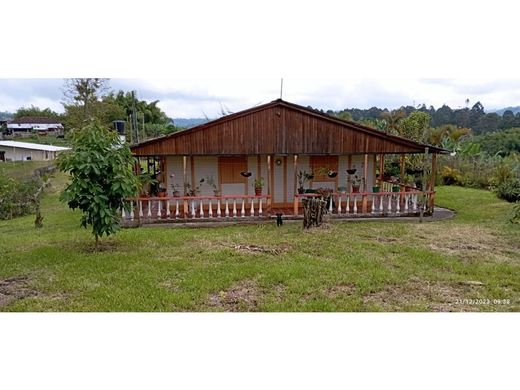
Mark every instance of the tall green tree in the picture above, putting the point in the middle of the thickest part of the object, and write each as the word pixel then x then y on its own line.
pixel 415 126
pixel 36 111
pixel 83 102
pixel 101 178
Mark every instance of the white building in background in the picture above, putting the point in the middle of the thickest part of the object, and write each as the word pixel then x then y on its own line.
pixel 25 151
pixel 25 126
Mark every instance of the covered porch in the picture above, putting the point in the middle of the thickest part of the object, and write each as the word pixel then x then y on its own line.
pixel 266 160
pixel 225 189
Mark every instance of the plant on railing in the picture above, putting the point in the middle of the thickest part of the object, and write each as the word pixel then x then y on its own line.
pixel 146 181
pixel 356 183
pixel 192 191
pixel 258 185
pixel 161 190
pixel 303 177
pixel 175 189
pixel 210 180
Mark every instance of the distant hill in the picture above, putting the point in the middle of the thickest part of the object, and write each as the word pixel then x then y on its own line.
pixel 188 122
pixel 502 110
pixel 4 115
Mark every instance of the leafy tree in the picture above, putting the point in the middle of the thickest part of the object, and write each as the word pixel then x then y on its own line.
pixel 84 92
pixel 502 143
pixel 36 111
pixel 101 178
pixel 83 102
pixel 415 126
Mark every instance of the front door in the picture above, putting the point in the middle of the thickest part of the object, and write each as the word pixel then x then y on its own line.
pixel 279 180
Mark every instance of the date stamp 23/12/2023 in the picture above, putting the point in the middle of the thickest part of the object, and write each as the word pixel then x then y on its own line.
pixel 482 301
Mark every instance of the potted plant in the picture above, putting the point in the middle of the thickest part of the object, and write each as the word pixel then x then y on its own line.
pixel 258 184
pixel 356 183
pixel 211 182
pixel 342 190
pixel 302 177
pixel 351 171
pixel 375 188
pixel 161 190
pixel 145 182
pixel 175 189
pixel 332 174
pixel 192 191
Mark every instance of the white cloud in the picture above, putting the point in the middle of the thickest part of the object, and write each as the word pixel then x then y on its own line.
pixel 198 97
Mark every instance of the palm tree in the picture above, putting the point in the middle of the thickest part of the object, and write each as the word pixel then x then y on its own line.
pixel 392 119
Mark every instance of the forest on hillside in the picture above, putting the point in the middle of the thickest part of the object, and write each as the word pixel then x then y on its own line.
pixel 475 117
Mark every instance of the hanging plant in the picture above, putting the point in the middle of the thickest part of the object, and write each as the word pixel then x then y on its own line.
pixel 245 173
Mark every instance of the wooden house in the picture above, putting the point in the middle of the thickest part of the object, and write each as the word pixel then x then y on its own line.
pixel 209 172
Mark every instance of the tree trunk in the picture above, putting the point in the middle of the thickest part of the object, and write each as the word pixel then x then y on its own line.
pixel 313 210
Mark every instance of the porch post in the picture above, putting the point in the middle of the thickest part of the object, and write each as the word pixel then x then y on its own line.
pixel 295 191
pixel 432 181
pixel 364 203
pixel 184 167
pixel 424 186
pixel 381 168
pixel 402 171
pixel 269 183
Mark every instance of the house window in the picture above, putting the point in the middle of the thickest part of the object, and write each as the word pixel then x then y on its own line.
pixel 230 168
pixel 321 165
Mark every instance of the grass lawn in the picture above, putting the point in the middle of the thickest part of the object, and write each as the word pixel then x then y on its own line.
pixel 22 169
pixel 462 264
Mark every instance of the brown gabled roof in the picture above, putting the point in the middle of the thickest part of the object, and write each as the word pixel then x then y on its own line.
pixel 236 128
pixel 34 119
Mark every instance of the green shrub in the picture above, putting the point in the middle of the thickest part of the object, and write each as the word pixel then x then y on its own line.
pixel 509 190
pixel 515 218
pixel 451 176
pixel 17 198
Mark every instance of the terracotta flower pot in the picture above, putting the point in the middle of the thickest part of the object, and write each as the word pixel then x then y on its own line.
pixel 258 191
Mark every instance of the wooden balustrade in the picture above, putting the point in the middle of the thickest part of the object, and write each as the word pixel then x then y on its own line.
pixel 199 207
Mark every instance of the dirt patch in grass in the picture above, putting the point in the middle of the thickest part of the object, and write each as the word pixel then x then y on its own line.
pixel 12 289
pixel 339 290
pixel 241 296
pixel 257 249
pixel 434 296
pixel 467 241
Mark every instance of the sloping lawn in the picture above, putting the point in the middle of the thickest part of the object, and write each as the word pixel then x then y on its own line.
pixel 468 263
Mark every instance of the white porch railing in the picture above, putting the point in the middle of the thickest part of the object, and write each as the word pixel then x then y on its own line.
pixel 197 208
pixel 374 203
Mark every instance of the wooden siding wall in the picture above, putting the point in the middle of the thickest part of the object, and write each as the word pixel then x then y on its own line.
pixel 277 130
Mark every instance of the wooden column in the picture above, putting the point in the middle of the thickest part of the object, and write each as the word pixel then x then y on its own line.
pixel 184 181
pixel 381 168
pixel 401 174
pixel 295 179
pixel 269 180
pixel 432 180
pixel 364 203
pixel 285 167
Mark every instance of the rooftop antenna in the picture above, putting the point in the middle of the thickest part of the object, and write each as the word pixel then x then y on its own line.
pixel 281 88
